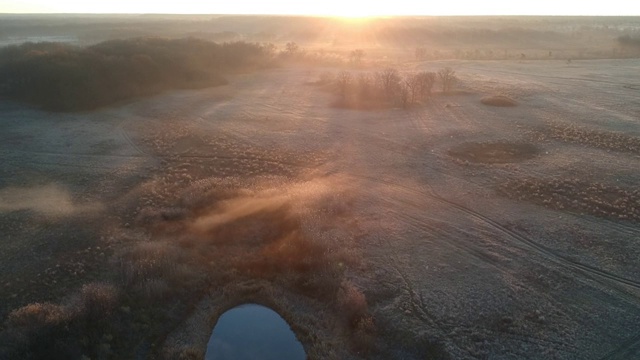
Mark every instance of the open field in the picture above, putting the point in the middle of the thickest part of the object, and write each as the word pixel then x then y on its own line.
pixel 446 230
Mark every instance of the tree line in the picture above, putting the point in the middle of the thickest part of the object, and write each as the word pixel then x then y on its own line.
pixel 387 87
pixel 62 77
pixel 628 41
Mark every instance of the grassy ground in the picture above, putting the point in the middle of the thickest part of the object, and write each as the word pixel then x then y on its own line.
pixel 449 229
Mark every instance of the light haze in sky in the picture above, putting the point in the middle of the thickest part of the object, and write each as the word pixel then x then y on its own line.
pixel 330 7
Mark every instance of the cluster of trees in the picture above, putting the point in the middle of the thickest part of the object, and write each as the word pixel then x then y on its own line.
pixel 62 77
pixel 387 87
pixel 628 41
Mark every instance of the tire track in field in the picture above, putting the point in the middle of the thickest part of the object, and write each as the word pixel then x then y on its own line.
pixel 562 260
pixel 419 123
pixel 417 302
pixel 70 154
pixel 65 160
pixel 628 349
pixel 535 75
pixel 125 136
pixel 422 225
pixel 248 158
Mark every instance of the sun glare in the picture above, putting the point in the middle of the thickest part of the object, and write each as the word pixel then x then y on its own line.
pixel 352 11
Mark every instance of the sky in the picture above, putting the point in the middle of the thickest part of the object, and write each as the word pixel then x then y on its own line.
pixel 331 7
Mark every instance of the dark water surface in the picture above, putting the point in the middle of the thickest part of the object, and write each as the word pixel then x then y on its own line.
pixel 253 331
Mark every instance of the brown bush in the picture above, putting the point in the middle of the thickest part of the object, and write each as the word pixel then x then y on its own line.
pixel 38 314
pixel 94 302
pixel 67 331
pixel 499 101
pixel 577 195
pixel 447 78
pixel 609 140
pixel 352 303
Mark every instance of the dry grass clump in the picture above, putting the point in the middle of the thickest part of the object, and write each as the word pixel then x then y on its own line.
pixel 147 260
pixel 608 140
pixel 579 196
pixel 355 310
pixel 94 301
pixel 45 314
pixel 288 236
pixel 294 237
pixel 70 330
pixel 494 152
pixel 352 302
pixel 499 101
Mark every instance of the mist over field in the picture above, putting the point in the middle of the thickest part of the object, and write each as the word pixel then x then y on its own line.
pixel 393 187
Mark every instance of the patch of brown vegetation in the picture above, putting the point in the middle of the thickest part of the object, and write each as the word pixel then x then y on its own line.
pixel 77 327
pixel 494 152
pixel 575 195
pixel 499 101
pixel 608 140
pixel 293 237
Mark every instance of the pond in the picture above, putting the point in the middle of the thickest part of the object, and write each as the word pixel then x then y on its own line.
pixel 253 331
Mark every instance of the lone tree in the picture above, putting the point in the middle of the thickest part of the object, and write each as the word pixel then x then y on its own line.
pixel 291 47
pixel 412 85
pixel 365 86
pixel 447 78
pixel 343 81
pixel 418 86
pixel 356 56
pixel 425 82
pixel 389 81
pixel 405 94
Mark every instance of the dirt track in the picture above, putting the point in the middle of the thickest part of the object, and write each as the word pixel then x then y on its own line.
pixel 448 258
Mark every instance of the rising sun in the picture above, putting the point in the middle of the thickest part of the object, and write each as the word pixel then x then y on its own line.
pixel 351 10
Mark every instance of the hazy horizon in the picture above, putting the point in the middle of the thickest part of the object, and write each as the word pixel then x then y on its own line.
pixel 329 8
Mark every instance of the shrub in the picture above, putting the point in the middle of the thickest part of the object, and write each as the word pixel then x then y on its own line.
pixel 67 331
pixel 499 100
pixel 382 89
pixel 38 314
pixel 94 302
pixel 39 331
pixel 447 78
pixel 356 56
pixel 352 303
pixel 389 81
pixel 343 82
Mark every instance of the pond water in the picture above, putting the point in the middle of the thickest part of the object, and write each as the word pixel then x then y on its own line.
pixel 253 331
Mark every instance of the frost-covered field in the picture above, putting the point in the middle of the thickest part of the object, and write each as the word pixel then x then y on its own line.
pixel 471 230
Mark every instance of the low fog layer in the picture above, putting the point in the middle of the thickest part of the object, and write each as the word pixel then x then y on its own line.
pixel 50 200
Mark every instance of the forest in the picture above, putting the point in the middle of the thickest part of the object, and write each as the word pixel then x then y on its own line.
pixel 63 77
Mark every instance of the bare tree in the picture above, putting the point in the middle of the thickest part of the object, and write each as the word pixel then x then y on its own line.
pixel 426 80
pixel 343 81
pixel 291 48
pixel 404 94
pixel 389 81
pixel 421 53
pixel 365 86
pixel 419 85
pixel 356 56
pixel 412 85
pixel 447 78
